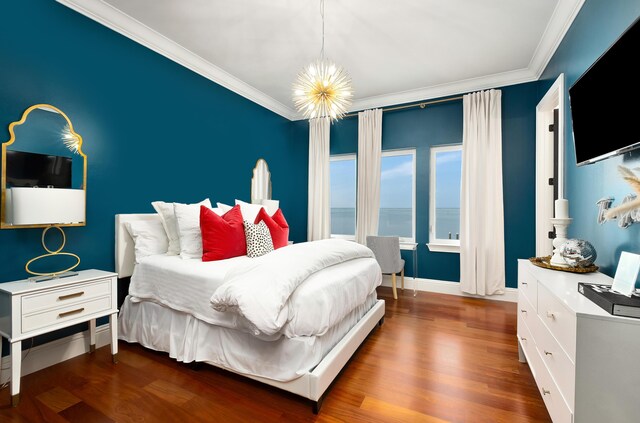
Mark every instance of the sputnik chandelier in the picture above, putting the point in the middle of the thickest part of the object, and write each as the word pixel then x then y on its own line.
pixel 322 89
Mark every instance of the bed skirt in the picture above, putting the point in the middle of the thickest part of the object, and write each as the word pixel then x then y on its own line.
pixel 189 339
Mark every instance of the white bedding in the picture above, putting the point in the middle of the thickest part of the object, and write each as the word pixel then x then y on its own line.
pixel 188 339
pixel 262 290
pixel 320 301
pixel 184 285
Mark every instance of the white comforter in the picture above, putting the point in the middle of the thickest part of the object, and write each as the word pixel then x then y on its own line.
pixel 318 303
pixel 287 285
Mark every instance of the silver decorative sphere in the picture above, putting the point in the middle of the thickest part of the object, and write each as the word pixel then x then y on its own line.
pixel 578 253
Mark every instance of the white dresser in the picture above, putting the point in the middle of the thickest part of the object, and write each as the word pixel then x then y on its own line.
pixel 585 361
pixel 28 309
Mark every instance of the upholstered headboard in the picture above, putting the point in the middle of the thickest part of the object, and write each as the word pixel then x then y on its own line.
pixel 125 258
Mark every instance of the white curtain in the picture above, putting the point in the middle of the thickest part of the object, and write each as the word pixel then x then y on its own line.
pixel 482 268
pixel 319 219
pixel 369 156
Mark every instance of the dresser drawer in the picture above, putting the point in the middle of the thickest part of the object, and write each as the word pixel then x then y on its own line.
pixel 528 286
pixel 560 321
pixel 527 342
pixel 526 312
pixel 71 312
pixel 556 406
pixel 55 298
pixel 561 368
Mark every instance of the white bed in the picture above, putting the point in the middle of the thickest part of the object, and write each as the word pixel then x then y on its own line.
pixel 159 314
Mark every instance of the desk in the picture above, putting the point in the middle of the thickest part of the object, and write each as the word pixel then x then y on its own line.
pixel 413 246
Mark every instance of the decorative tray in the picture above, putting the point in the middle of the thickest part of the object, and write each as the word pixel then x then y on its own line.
pixel 545 262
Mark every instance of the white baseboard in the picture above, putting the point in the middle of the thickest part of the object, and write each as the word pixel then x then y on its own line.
pixel 55 352
pixel 446 287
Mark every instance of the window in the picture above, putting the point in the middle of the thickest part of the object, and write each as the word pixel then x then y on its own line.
pixel 342 170
pixel 444 201
pixel 398 194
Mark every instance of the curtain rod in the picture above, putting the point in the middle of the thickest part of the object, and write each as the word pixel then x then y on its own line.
pixel 422 105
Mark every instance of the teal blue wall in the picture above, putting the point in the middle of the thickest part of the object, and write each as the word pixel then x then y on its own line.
pixel 442 124
pixel 155 130
pixel 152 129
pixel 597 26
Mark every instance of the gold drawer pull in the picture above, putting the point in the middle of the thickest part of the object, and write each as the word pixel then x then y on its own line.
pixel 547 352
pixel 69 313
pixel 550 315
pixel 68 297
pixel 522 310
pixel 545 392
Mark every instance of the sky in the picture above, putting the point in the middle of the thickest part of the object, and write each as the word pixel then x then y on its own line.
pixel 396 176
pixel 396 181
pixel 448 173
pixel 343 184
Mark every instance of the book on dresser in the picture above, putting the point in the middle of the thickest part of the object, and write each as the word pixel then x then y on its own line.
pixel 611 302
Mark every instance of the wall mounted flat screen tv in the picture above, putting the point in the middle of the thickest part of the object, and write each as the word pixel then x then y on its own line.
pixel 605 107
pixel 41 170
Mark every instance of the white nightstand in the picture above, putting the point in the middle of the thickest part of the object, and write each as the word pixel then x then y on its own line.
pixel 28 309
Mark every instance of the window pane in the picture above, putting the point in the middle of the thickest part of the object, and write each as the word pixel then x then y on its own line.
pixel 343 197
pixel 396 196
pixel 448 173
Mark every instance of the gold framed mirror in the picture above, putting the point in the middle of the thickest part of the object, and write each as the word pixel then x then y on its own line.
pixel 261 182
pixel 44 172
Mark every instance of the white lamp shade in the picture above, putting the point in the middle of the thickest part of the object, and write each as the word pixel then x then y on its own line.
pixel 50 206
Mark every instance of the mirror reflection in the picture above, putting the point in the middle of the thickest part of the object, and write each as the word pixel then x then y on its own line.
pixel 261 182
pixel 43 153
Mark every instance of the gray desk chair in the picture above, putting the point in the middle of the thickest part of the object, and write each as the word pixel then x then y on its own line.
pixel 387 252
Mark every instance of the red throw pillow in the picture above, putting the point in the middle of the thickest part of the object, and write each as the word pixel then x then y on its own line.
pixel 278 227
pixel 222 236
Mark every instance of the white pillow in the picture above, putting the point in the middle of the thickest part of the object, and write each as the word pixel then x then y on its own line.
pixel 249 211
pixel 271 206
pixel 224 207
pixel 167 214
pixel 149 238
pixel 188 222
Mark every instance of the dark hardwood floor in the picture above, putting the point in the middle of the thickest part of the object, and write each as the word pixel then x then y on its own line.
pixel 436 358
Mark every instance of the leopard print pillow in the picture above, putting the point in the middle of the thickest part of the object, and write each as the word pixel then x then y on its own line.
pixel 259 240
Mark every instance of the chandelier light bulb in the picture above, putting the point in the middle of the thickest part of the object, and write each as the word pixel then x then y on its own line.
pixel 70 140
pixel 322 89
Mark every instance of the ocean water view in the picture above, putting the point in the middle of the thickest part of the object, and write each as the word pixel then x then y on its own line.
pixel 395 222
pixel 447 223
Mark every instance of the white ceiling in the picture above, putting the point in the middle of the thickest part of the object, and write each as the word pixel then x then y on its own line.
pixel 396 51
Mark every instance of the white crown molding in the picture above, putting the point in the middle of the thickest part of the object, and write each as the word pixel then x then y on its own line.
pixel 444 90
pixel 557 27
pixel 105 14
pixel 135 30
